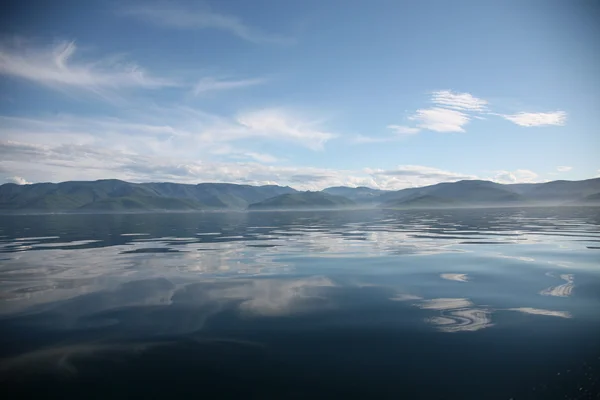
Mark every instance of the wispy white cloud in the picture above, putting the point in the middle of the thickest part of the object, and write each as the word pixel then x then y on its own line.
pixel 403 130
pixel 516 176
pixel 414 176
pixel 564 168
pixel 272 124
pixel 97 160
pixel 238 153
pixel 89 162
pixel 177 131
pixel 170 15
pixel 261 157
pixel 214 84
pixel 440 119
pixel 278 123
pixel 179 144
pixel 55 66
pixel 450 113
pixel 399 133
pixel 528 119
pixel 17 179
pixel 458 101
pixel 362 139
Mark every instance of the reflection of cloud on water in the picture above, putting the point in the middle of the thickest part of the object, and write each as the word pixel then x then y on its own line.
pixel 75 243
pixel 519 258
pixel 402 242
pixel 444 304
pixel 469 319
pixel 41 243
pixel 538 311
pixel 455 277
pixel 460 314
pixel 456 315
pixel 29 279
pixel 36 238
pixel 263 296
pixel 563 290
pixel 160 305
pixel 278 297
pixel 405 297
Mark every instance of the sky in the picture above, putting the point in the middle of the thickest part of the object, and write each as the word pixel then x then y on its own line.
pixel 387 94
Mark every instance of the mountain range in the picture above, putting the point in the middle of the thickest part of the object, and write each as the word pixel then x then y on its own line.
pixel 291 201
pixel 116 195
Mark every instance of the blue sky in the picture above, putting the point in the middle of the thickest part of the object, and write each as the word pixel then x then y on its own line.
pixel 387 94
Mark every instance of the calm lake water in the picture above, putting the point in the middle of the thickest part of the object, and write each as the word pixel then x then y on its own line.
pixel 452 304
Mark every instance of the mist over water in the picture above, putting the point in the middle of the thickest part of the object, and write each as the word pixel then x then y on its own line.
pixel 469 304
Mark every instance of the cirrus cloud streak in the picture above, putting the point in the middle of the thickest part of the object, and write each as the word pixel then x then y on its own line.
pixel 529 119
pixel 56 66
pixel 452 111
pixel 170 15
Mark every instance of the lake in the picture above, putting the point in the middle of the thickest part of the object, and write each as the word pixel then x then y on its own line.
pixel 452 304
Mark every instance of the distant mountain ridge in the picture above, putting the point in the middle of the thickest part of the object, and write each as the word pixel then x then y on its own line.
pixel 462 192
pixel 358 194
pixel 115 195
pixel 303 200
pixel 485 193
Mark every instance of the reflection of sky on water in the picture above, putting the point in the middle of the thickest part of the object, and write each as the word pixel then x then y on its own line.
pixel 405 297
pixel 385 298
pixel 70 256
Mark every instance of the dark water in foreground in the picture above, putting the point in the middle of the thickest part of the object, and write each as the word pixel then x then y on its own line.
pixel 481 304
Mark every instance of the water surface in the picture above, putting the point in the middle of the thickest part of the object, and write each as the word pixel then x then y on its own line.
pixel 452 304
